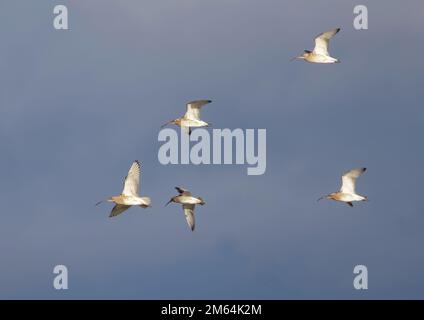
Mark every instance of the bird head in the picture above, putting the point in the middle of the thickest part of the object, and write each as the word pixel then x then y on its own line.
pixel 202 202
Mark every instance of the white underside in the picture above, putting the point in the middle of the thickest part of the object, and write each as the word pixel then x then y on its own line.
pixel 187 200
pixel 136 201
pixel 193 123
pixel 323 59
pixel 350 197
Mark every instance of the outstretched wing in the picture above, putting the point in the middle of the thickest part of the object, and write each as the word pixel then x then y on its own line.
pixel 322 42
pixel 349 180
pixel 189 214
pixel 118 209
pixel 183 192
pixel 132 180
pixel 193 109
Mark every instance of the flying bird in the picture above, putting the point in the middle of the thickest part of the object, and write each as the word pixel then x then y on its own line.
pixel 191 118
pixel 320 53
pixel 347 192
pixel 189 202
pixel 130 195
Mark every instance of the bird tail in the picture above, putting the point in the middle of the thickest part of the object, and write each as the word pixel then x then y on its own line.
pixel 147 202
pixel 202 202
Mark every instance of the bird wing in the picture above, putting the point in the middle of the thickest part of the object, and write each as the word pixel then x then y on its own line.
pixel 118 209
pixel 349 180
pixel 322 42
pixel 193 109
pixel 189 214
pixel 132 180
pixel 183 192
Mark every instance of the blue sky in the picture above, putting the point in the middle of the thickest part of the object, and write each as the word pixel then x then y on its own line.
pixel 78 106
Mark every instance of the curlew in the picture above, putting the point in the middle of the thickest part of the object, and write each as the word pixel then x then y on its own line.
pixel 347 192
pixel 189 202
pixel 191 118
pixel 320 53
pixel 130 195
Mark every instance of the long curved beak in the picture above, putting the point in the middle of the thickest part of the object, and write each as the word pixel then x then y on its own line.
pixel 168 202
pixel 295 58
pixel 164 125
pixel 323 197
pixel 107 200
